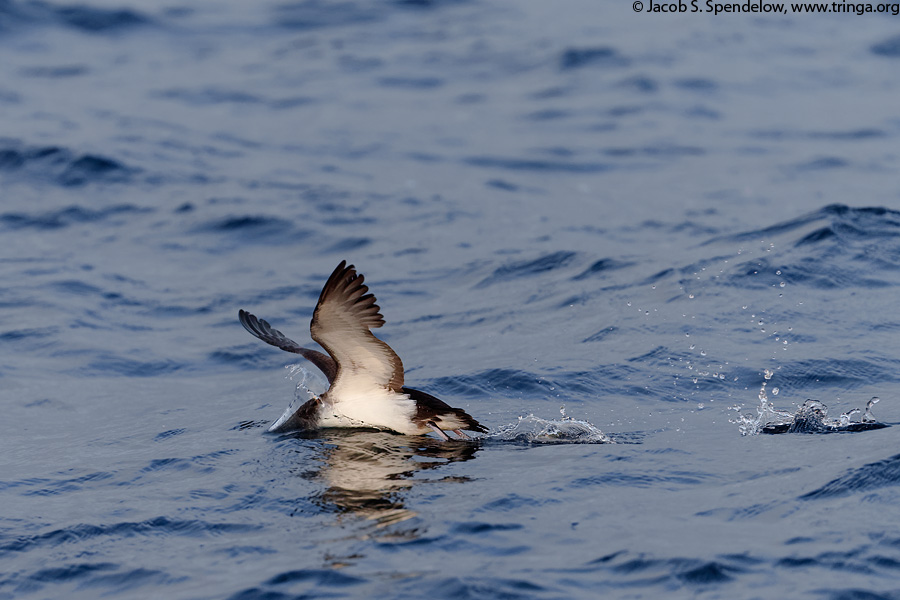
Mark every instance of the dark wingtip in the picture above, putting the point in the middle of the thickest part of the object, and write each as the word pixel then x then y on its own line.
pixel 350 285
pixel 339 273
pixel 245 318
pixel 257 327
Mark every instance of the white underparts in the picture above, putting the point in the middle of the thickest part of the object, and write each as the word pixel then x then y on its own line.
pixel 355 402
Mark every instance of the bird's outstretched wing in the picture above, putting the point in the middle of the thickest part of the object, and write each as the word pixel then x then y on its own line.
pixel 341 324
pixel 261 329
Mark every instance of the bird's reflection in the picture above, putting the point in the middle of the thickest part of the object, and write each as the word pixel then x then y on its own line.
pixel 367 473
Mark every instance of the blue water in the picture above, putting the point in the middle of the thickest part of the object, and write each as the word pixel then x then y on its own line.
pixel 577 219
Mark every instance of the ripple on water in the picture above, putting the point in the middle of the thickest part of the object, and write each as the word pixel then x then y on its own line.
pixel 65 217
pixel 107 363
pixel 603 266
pixel 159 526
pixel 889 48
pixel 209 96
pixel 255 229
pixel 106 576
pixel 478 527
pixel 598 56
pixel 884 473
pixel 93 19
pixel 480 384
pixel 290 583
pixel 535 165
pixel 834 247
pixel 60 165
pixel 527 268
pixel 624 569
pixel 83 18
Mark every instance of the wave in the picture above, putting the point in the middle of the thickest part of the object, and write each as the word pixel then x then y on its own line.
pixel 84 18
pixel 60 165
pixel 884 473
pixel 163 526
pixel 66 217
pixel 836 246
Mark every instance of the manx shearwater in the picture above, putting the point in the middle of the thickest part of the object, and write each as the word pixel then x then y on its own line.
pixel 364 373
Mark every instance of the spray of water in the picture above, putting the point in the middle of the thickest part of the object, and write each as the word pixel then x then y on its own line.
pixel 812 417
pixel 307 382
pixel 530 429
pixel 766 413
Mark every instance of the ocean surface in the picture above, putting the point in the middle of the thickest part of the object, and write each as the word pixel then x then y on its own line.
pixel 657 255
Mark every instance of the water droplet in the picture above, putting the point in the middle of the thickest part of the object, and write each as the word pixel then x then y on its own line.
pixel 782 284
pixel 778 272
pixel 775 391
pixel 768 373
pixel 703 353
pixel 628 303
pixel 845 418
pixel 691 296
pixel 868 416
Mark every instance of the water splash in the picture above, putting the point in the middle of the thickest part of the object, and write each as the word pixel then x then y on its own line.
pixel 304 390
pixel 809 419
pixel 812 417
pixel 535 430
pixel 310 384
pixel 868 418
pixel 766 413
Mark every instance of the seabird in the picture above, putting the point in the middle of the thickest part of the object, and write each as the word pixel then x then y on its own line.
pixel 364 373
